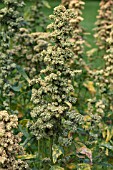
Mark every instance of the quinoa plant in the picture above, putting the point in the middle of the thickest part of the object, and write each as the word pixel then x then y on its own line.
pixel 104 23
pixel 37 20
pixel 26 54
pixel 78 39
pixel 10 22
pixel 9 144
pixel 101 104
pixel 77 6
pixel 55 114
pixel 27 50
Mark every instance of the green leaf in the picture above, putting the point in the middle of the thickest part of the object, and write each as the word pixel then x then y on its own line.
pixel 83 166
pixel 107 145
pixel 24 122
pixel 56 168
pixel 46 4
pixel 16 88
pixel 57 151
pixel 23 73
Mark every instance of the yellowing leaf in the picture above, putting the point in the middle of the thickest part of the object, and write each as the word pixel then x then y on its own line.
pixel 83 166
pixel 87 118
pixel 90 86
pixel 91 52
pixel 57 151
pixel 107 152
pixel 56 168
pixel 104 134
pixel 71 166
pixel 69 104
pixel 108 135
pixel 24 122
pixel 30 156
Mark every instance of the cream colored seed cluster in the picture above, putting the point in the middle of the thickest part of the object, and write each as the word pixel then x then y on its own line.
pixel 77 39
pixel 105 75
pixel 37 16
pixel 104 81
pixel 27 50
pixel 53 92
pixel 9 143
pixel 8 29
pixel 104 23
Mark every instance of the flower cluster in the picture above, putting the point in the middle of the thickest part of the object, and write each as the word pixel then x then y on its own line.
pixel 102 103
pixel 27 50
pixel 104 23
pixel 77 39
pixel 9 143
pixel 53 92
pixel 104 76
pixel 10 20
pixel 37 19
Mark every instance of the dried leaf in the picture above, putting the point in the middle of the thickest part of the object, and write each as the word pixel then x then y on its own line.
pixel 85 151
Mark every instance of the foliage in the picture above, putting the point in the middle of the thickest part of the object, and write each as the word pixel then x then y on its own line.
pixel 9 143
pixel 64 107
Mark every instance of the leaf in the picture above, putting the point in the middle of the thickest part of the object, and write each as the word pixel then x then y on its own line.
pixel 46 4
pixel 56 168
pixel 90 86
pixel 71 166
pixel 87 118
pixel 24 122
pixel 23 130
pixel 16 88
pixel 107 145
pixel 57 151
pixel 108 135
pixel 83 166
pixel 30 156
pixel 23 73
pixel 107 152
pixel 104 134
pixel 85 151
pixel 69 104
pixel 91 52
